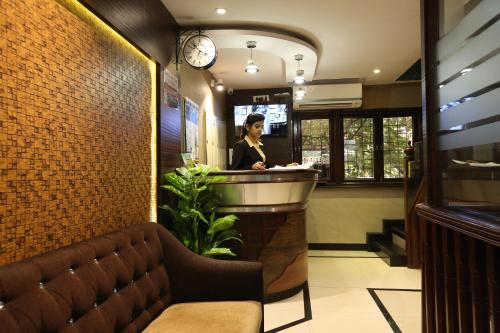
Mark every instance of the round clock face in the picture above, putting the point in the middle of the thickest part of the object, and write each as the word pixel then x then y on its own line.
pixel 200 52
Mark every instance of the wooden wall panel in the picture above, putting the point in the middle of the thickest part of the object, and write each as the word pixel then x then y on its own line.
pixel 75 129
pixel 147 23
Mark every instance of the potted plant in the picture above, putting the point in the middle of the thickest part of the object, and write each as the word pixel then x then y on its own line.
pixel 193 217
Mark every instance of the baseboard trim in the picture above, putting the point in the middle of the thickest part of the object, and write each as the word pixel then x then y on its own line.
pixel 337 246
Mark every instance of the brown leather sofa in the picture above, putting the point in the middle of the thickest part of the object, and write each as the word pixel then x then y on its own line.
pixel 140 278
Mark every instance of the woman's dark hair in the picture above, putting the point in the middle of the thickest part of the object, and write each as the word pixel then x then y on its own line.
pixel 252 118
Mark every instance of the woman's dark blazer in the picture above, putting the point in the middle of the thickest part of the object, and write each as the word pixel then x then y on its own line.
pixel 245 156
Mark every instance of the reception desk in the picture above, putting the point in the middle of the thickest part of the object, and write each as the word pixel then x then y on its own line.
pixel 271 208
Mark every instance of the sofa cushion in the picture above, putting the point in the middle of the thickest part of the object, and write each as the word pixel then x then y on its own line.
pixel 209 317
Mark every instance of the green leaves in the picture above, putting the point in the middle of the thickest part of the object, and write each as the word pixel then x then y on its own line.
pixel 218 251
pixel 175 191
pixel 222 223
pixel 193 217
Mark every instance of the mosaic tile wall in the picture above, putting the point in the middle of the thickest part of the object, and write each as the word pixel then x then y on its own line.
pixel 74 129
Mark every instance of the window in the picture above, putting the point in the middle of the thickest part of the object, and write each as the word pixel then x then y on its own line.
pixel 397 132
pixel 362 146
pixel 358 148
pixel 316 144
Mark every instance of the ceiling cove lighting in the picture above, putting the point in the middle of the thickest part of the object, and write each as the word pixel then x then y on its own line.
pixel 220 11
pixel 376 71
pixel 299 79
pixel 251 67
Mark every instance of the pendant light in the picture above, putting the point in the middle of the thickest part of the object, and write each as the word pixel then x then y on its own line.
pixel 299 79
pixel 251 67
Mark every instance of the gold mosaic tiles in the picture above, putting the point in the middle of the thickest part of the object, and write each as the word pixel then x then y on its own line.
pixel 75 130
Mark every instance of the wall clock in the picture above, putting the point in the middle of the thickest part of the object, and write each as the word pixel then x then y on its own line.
pixel 200 51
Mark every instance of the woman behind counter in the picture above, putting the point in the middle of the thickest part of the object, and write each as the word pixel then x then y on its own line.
pixel 248 153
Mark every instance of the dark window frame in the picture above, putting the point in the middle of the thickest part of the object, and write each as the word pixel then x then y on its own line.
pixel 336 118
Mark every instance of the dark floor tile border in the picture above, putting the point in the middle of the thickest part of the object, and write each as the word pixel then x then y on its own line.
pixel 307 311
pixel 383 309
pixel 337 246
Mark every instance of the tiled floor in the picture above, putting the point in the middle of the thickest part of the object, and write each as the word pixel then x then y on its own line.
pixel 340 299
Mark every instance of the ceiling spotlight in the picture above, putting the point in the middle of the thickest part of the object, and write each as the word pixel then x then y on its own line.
pixel 219 85
pixel 220 11
pixel 441 86
pixel 299 79
pixel 251 67
pixel 376 71
pixel 465 70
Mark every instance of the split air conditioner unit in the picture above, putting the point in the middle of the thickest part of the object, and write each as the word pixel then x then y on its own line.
pixel 329 96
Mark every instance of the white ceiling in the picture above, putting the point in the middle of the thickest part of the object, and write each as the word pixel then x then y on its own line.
pixel 350 37
pixel 274 55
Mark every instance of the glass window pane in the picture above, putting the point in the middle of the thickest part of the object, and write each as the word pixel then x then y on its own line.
pixel 316 144
pixel 397 132
pixel 358 148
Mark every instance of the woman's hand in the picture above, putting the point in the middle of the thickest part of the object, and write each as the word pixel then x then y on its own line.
pixel 292 164
pixel 258 166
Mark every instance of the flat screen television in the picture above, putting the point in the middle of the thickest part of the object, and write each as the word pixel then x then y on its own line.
pixel 275 124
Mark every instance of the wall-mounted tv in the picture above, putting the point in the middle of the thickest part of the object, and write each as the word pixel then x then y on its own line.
pixel 275 124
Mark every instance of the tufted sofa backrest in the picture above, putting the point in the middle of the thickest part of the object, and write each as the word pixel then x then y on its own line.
pixel 113 283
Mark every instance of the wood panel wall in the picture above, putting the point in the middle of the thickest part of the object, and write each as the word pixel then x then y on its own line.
pixel 150 26
pixel 75 129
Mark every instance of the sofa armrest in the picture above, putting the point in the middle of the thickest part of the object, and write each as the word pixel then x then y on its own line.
pixel 197 278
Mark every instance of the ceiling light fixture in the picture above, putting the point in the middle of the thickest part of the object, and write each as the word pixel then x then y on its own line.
pixel 219 85
pixel 251 67
pixel 300 93
pixel 465 70
pixel 220 11
pixel 376 71
pixel 299 79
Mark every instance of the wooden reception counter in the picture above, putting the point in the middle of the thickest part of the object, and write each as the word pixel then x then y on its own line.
pixel 271 208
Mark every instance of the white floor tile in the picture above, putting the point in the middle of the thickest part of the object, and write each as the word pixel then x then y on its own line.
pixel 340 301
pixel 360 273
pixel 334 322
pixel 277 318
pixel 329 253
pixel 284 311
pixel 404 308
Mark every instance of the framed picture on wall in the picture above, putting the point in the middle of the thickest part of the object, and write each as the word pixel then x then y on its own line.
pixel 192 142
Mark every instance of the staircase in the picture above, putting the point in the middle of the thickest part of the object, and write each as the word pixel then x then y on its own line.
pixel 390 244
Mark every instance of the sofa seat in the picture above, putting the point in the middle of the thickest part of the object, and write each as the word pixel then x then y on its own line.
pixel 209 317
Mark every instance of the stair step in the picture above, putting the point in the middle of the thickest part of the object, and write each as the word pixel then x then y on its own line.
pixel 399 241
pixel 388 224
pixel 400 231
pixel 391 253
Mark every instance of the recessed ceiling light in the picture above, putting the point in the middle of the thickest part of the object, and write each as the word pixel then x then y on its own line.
pixel 220 11
pixel 465 70
pixel 376 71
